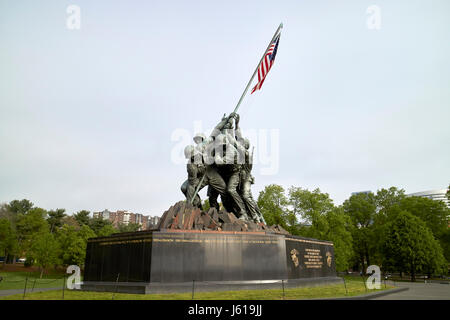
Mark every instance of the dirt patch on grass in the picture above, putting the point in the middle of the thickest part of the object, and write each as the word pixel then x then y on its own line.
pixel 19 267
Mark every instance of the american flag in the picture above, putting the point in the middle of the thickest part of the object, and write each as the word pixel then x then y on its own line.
pixel 267 63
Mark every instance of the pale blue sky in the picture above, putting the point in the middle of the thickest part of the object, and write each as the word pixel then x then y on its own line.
pixel 86 116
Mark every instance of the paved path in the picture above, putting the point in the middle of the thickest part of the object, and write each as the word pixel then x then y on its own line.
pixel 419 291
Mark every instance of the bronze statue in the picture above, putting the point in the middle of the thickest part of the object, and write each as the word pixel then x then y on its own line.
pixel 195 172
pixel 246 178
pixel 223 163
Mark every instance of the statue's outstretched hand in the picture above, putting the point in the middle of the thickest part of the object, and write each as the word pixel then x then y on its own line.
pixel 236 119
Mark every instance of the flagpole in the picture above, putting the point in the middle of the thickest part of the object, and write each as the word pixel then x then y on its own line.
pixel 242 97
pixel 257 67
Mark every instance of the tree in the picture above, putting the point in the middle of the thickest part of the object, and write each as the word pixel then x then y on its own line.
pixel 73 244
pixel 14 209
pixel 410 246
pixel 70 220
pixel 86 233
pixel 339 233
pixel 67 239
pixel 445 241
pixel 436 262
pixel 327 222
pixel 4 211
pixel 387 206
pixel 8 239
pixel 387 198
pixel 445 244
pixel 130 227
pixel 13 212
pixel 273 205
pixel 310 205
pixel 206 205
pixel 361 208
pixel 97 223
pixel 82 217
pixel 106 230
pixel 55 218
pixel 45 250
pixel 28 226
pixel 20 206
pixel 434 213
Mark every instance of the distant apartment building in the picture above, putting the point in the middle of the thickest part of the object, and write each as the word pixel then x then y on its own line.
pixel 438 195
pixel 127 217
pixel 153 222
pixel 363 192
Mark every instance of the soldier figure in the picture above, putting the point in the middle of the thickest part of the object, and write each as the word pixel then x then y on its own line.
pixel 222 162
pixel 229 168
pixel 246 182
pixel 246 179
pixel 195 172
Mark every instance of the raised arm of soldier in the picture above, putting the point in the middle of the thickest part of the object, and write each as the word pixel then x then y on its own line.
pixel 208 144
pixel 239 141
pixel 237 130
pixel 225 123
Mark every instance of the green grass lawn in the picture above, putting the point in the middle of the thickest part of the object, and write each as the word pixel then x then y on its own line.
pixel 353 287
pixel 17 280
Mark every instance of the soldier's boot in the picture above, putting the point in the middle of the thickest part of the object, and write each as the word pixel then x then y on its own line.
pixel 254 218
pixel 243 216
pixel 262 220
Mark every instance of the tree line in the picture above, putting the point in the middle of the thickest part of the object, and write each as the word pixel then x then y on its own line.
pixel 49 237
pixel 387 228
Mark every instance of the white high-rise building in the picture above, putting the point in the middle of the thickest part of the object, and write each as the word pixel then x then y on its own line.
pixel 439 194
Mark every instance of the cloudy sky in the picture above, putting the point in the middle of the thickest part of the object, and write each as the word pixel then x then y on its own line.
pixel 92 118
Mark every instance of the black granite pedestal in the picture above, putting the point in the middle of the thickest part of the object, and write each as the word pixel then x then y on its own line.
pixel 176 260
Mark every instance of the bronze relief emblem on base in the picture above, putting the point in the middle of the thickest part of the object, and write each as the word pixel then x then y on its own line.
pixel 294 253
pixel 329 259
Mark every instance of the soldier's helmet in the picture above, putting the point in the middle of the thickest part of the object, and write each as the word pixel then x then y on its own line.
pixel 246 143
pixel 189 151
pixel 199 138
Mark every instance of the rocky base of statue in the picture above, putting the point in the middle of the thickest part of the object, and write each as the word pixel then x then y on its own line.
pixel 183 216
